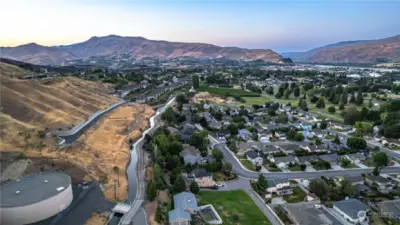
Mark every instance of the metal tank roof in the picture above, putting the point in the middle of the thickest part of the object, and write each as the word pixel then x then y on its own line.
pixel 33 189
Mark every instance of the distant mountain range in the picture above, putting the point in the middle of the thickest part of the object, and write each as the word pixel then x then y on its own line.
pixel 362 51
pixel 115 47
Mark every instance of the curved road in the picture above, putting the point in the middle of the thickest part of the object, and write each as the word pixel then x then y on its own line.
pixel 70 136
pixel 243 172
pixel 136 174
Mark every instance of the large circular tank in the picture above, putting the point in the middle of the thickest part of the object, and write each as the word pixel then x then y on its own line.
pixel 34 198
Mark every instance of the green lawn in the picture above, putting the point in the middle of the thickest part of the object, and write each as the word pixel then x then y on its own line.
pixel 368 163
pixel 297 196
pixel 282 215
pixel 351 165
pixel 234 202
pixel 229 91
pixel 255 101
pixel 295 168
pixel 246 163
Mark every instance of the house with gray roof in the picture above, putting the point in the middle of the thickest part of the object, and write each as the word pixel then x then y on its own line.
pixel 307 159
pixel 310 213
pixel 186 201
pixel 355 158
pixel 333 158
pixel 383 185
pixel 390 209
pixel 283 161
pixel 191 155
pixel 357 179
pixel 352 210
pixel 179 217
pixel 185 204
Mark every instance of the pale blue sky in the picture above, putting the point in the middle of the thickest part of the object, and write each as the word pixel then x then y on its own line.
pixel 279 25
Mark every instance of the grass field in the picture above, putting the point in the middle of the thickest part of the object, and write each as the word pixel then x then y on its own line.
pixel 246 163
pixel 295 168
pixel 255 101
pixel 234 202
pixel 297 196
pixel 229 92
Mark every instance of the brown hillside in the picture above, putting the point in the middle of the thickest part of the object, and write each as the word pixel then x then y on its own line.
pixel 52 104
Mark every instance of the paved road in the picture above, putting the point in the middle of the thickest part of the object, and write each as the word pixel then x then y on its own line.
pixel 70 136
pixel 136 172
pixel 243 172
pixel 391 153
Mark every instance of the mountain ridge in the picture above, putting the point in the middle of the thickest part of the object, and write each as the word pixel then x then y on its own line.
pixel 132 47
pixel 357 51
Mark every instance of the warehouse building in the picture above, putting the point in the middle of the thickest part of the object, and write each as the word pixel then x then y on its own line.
pixel 35 198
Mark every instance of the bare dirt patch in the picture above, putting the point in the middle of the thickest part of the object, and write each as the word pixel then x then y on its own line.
pixel 151 209
pixel 205 96
pixel 96 219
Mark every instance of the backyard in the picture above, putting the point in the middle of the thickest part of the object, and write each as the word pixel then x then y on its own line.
pixel 234 207
pixel 297 196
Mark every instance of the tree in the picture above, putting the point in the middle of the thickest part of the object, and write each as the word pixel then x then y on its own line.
pixel 179 184
pixel 299 137
pixel 323 125
pixel 194 188
pixel 296 92
pixel 331 109
pixel 227 168
pixel 195 81
pixel 341 107
pixel 364 113
pixel 345 163
pixel 380 160
pixel 233 129
pixel 347 189
pixel 320 188
pixel 318 141
pixel 181 99
pixel 169 115
pixel 352 99
pixel 217 154
pixel 321 103
pixel 336 140
pixel 151 191
pixel 261 184
pixel 291 134
pixel 303 105
pixel 356 143
pixel 175 147
pixel 303 167
pixel 360 98
pixel 351 115
pixel 363 128
pixel 116 171
pixel 344 98
pixel 370 103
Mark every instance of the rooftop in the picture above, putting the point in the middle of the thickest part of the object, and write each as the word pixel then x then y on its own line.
pixel 307 214
pixel 177 214
pixel 185 200
pixel 351 207
pixel 32 189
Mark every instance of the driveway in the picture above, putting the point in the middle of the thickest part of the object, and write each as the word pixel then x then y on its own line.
pixel 337 167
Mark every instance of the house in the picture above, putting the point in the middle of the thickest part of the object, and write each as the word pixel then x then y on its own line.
pixel 284 161
pixel 245 134
pixel 191 155
pixel 289 147
pixel 172 130
pixel 339 126
pixel 188 107
pixel 362 188
pixel 280 186
pixel 306 126
pixel 254 157
pixel 382 184
pixel 354 158
pixel 317 148
pixel 185 204
pixel 202 177
pixel 357 179
pixel 211 121
pixel 390 209
pixel 310 213
pixel 186 201
pixel 179 217
pixel 209 159
pixel 306 160
pixel 333 158
pixel 187 132
pixel 391 142
pixel 352 210
pixel 281 135
pixel 268 148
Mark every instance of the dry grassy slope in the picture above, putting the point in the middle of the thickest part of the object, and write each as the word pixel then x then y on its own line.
pixel 59 103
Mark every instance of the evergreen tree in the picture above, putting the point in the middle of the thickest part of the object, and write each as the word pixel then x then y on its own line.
pixel 179 184
pixel 151 191
pixel 194 188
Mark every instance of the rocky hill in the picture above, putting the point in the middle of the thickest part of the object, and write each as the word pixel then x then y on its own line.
pixel 364 51
pixel 113 47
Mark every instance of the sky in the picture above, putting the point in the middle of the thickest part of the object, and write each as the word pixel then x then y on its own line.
pixel 279 25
